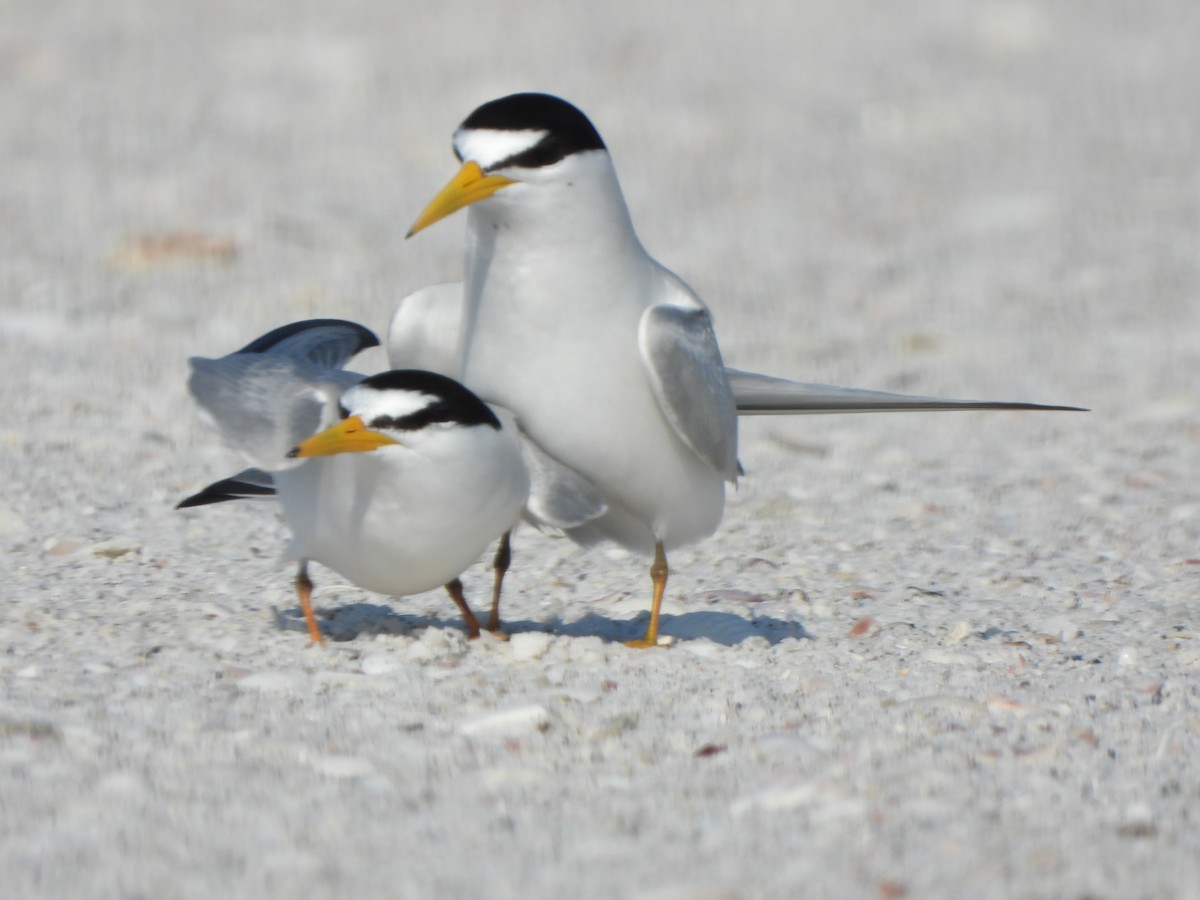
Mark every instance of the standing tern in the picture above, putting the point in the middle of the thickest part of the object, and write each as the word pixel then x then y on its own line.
pixel 608 359
pixel 397 481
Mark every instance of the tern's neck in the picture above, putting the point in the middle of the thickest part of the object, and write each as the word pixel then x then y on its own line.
pixel 574 226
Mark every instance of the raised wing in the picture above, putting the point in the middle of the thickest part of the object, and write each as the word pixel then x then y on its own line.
pixel 279 389
pixel 764 395
pixel 264 405
pixel 322 342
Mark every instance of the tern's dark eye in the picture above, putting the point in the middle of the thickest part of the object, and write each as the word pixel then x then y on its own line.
pixel 343 413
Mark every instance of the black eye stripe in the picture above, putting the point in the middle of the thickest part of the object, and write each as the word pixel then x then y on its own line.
pixel 545 152
pixel 431 415
pixel 448 402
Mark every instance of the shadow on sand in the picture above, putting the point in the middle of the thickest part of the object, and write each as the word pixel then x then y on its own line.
pixel 353 620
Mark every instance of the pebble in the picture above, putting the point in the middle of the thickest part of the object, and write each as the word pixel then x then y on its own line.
pixel 443 640
pixel 420 652
pixel 780 796
pixel 959 632
pixel 512 720
pixel 702 647
pixel 115 548
pixel 343 766
pixel 614 726
pixel 823 802
pixel 586 649
pixel 378 664
pixel 62 546
pixel 940 657
pixel 11 524
pixel 350 681
pixel 1137 817
pixel 529 645
pixel 437 643
pixel 275 682
pixel 500 777
pixel 1061 627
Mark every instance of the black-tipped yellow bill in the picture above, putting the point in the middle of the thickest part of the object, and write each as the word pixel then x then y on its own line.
pixel 348 436
pixel 469 186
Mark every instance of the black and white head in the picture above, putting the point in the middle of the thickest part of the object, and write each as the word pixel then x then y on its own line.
pixel 512 146
pixel 399 407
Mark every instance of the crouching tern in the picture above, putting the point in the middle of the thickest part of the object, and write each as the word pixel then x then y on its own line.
pixel 608 359
pixel 396 481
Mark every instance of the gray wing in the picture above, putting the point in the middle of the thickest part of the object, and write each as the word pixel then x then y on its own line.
pixel 559 497
pixel 322 342
pixel 763 395
pixel 279 389
pixel 680 353
pixel 265 404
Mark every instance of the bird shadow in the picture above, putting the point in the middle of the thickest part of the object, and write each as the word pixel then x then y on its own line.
pixel 723 628
pixel 350 621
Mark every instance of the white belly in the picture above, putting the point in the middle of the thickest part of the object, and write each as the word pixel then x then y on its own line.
pixel 585 397
pixel 397 523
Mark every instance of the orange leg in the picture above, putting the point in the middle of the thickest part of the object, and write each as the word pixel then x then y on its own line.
pixel 304 589
pixel 455 590
pixel 658 575
pixel 499 566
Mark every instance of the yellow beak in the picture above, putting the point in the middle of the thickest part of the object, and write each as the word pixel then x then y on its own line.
pixel 469 186
pixel 348 436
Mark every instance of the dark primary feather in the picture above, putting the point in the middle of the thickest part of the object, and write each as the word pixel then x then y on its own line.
pixel 323 342
pixel 249 484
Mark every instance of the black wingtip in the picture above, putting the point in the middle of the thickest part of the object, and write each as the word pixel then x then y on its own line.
pixel 366 338
pixel 225 490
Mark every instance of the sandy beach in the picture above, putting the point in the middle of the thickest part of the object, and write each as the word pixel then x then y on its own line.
pixel 926 655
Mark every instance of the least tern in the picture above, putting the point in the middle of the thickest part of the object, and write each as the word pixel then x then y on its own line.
pixel 608 359
pixel 397 481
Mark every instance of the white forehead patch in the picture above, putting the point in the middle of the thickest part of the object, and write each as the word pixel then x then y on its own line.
pixel 370 403
pixel 488 147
